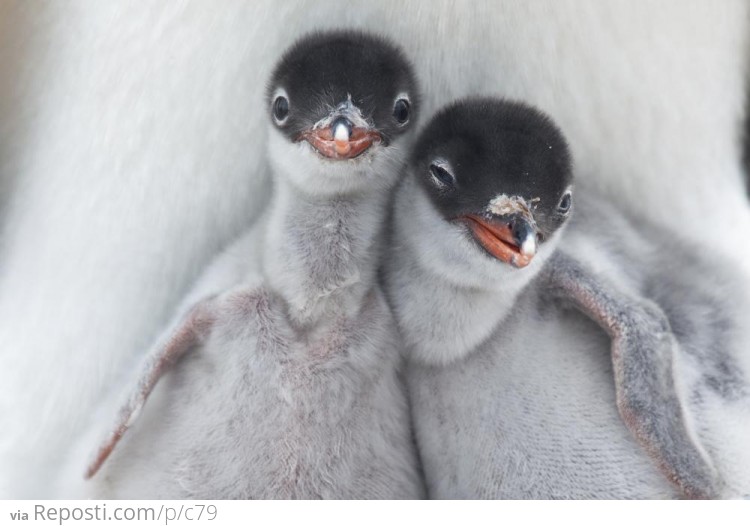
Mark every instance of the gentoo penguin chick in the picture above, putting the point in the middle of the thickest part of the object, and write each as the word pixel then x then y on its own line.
pixel 473 277
pixel 291 387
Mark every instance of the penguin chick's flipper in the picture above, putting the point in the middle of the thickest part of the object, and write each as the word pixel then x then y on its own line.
pixel 643 349
pixel 189 332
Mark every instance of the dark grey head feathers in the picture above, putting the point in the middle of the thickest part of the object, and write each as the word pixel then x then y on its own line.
pixel 501 167
pixel 477 149
pixel 323 71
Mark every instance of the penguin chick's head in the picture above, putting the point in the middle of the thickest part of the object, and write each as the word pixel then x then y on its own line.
pixel 339 102
pixel 499 170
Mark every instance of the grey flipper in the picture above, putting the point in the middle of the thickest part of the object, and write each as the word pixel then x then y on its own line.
pixel 190 331
pixel 643 351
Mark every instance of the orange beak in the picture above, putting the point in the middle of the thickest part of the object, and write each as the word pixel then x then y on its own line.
pixel 499 239
pixel 341 140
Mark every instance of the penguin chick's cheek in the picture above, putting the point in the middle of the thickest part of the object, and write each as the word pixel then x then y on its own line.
pixel 339 144
pixel 498 240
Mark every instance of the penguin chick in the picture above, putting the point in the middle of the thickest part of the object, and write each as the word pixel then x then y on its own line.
pixel 477 228
pixel 292 387
pixel 488 192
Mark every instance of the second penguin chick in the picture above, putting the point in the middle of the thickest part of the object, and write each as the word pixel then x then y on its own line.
pixel 291 389
pixel 476 270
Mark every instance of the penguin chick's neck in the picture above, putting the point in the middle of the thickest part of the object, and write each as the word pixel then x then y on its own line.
pixel 320 252
pixel 448 297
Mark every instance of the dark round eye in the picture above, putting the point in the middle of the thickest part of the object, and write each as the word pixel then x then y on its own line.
pixel 401 111
pixel 442 175
pixel 565 202
pixel 280 109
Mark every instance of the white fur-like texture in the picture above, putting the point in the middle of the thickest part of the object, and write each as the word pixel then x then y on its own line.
pixel 447 295
pixel 530 417
pixel 706 301
pixel 266 409
pixel 526 407
pixel 131 136
pixel 254 414
pixel 295 391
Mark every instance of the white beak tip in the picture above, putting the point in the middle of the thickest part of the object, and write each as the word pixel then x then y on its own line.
pixel 341 133
pixel 528 247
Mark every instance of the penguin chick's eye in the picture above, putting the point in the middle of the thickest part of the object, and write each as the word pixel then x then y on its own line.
pixel 401 111
pixel 442 176
pixel 280 109
pixel 565 202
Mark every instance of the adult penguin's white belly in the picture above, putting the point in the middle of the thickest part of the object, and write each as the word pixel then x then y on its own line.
pixel 122 177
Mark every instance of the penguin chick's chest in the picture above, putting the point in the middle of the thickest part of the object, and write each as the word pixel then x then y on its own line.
pixel 300 413
pixel 253 331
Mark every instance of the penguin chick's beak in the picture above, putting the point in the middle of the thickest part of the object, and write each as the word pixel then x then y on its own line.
pixel 510 239
pixel 341 139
